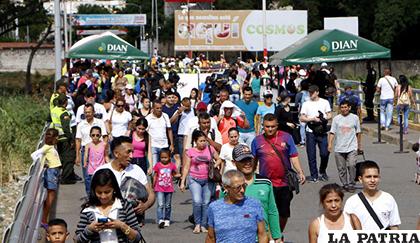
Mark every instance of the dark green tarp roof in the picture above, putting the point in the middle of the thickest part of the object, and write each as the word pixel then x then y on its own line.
pixel 329 46
pixel 105 46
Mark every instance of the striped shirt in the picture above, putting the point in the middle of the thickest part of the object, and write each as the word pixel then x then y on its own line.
pixel 125 214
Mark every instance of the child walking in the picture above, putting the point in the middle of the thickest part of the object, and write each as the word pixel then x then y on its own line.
pixel 164 187
pixel 51 160
pixel 95 154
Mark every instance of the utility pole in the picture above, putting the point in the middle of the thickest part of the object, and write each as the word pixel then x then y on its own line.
pixel 57 42
pixel 264 8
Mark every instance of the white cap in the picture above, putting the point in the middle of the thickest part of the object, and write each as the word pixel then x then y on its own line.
pixel 302 72
pixel 268 92
pixel 324 64
pixel 228 104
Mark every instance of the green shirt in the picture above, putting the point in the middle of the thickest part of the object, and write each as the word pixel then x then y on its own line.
pixel 262 189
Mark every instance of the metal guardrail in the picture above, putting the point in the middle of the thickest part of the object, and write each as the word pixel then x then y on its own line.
pixel 28 210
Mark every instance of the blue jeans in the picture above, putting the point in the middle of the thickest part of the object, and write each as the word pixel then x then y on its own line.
pixel 387 107
pixel 246 138
pixel 322 142
pixel 302 131
pixel 164 201
pixel 201 190
pixel 86 176
pixel 155 155
pixel 405 109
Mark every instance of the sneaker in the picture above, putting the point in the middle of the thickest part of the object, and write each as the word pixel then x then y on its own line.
pixel 313 180
pixel 161 224
pixel 324 177
pixel 204 230
pixel 167 223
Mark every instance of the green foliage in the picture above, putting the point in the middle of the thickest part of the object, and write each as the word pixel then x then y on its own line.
pixel 22 119
pixel 92 9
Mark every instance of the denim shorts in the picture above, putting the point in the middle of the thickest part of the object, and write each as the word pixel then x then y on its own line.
pixel 52 178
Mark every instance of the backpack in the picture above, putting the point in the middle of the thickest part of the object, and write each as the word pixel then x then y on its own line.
pixel 404 98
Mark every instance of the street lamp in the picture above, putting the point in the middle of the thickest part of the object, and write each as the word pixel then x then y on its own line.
pixel 264 8
pixel 187 8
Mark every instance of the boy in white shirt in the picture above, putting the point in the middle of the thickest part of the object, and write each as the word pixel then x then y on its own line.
pixel 382 203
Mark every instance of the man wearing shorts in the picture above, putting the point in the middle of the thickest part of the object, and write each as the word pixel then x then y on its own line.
pixel 272 166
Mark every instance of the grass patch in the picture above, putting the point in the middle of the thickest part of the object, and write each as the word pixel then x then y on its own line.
pixel 22 119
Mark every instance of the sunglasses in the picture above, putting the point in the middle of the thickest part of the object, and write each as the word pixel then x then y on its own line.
pixel 238 188
pixel 119 105
pixel 95 135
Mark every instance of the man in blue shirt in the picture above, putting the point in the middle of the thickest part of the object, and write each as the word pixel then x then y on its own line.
pixel 249 107
pixel 235 218
pixel 173 110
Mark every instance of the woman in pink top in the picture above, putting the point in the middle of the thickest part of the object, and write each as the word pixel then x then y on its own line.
pixel 195 170
pixel 95 154
pixel 141 145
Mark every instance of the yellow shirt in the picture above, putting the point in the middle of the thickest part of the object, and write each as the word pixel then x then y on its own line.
pixel 50 156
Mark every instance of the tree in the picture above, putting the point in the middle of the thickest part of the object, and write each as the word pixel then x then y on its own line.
pixel 28 81
pixel 29 13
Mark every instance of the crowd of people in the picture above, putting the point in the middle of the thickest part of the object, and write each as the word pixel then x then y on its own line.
pixel 230 143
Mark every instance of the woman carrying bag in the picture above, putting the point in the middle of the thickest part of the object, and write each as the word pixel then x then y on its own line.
pixel 405 99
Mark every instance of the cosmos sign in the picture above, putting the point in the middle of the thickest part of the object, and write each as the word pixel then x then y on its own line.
pixel 339 45
pixel 238 30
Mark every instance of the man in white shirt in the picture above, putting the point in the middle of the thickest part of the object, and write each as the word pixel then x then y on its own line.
pixel 382 203
pixel 121 166
pixel 184 119
pixel 214 138
pixel 160 132
pixel 386 87
pixel 100 111
pixel 316 112
pixel 83 138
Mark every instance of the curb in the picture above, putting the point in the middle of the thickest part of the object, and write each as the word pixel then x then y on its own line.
pixel 392 139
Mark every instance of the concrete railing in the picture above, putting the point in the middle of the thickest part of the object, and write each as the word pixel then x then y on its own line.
pixel 28 210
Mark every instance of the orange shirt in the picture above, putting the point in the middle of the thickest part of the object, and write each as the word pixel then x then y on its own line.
pixel 227 123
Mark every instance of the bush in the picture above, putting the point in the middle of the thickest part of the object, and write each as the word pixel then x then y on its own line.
pixel 22 119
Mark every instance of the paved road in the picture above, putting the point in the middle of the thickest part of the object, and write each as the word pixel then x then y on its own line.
pixel 397 179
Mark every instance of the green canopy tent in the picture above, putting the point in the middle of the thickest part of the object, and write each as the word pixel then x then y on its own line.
pixel 105 46
pixel 329 46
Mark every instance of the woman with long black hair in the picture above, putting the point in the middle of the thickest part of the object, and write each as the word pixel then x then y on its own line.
pixel 405 98
pixel 106 216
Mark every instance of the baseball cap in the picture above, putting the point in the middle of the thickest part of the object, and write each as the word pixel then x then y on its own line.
pixel 268 92
pixel 324 64
pixel 241 152
pixel 201 106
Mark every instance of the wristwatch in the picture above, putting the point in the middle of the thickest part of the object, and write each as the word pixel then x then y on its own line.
pixel 127 231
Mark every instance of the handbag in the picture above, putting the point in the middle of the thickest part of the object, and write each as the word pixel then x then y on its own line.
pixel 291 175
pixel 214 172
pixel 371 211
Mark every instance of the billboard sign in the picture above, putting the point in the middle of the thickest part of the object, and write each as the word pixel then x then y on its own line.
pixel 97 32
pixel 347 24
pixel 109 19
pixel 238 30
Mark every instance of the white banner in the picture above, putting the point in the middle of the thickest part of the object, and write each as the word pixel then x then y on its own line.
pixel 109 19
pixel 189 81
pixel 97 32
